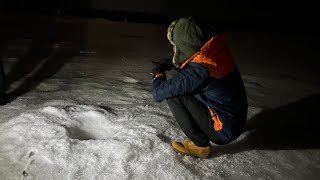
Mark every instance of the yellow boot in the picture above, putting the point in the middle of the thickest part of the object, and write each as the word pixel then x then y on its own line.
pixel 188 148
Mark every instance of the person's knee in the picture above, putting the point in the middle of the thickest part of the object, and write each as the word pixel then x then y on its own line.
pixel 179 99
pixel 173 101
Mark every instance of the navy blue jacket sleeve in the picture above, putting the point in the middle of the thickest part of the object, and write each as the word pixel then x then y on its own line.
pixel 190 80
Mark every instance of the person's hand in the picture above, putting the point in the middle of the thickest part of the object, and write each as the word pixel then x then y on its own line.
pixel 161 67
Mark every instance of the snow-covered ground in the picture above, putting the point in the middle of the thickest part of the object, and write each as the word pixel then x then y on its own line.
pixel 89 112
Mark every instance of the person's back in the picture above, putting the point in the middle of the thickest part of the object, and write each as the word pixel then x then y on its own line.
pixel 224 93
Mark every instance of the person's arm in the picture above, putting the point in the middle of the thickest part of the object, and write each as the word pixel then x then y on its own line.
pixel 190 80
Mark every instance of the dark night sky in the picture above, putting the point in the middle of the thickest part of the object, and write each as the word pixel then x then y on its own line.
pixel 272 12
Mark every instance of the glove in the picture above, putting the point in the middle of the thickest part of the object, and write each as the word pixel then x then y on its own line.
pixel 161 67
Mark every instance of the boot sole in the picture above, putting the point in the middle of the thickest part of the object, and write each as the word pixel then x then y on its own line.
pixel 185 154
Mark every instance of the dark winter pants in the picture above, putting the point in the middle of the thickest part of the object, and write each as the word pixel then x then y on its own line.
pixel 193 118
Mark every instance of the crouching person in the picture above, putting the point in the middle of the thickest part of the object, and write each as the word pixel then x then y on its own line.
pixel 206 96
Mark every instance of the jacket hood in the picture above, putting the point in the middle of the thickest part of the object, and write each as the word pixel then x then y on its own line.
pixel 215 56
pixel 186 37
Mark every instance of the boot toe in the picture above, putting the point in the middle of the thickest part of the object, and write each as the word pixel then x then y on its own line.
pixel 188 148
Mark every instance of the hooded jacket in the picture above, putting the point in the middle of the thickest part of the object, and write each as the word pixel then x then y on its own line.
pixel 211 76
